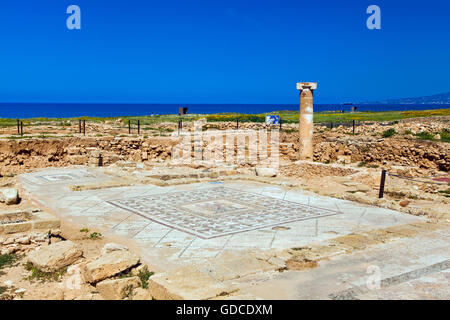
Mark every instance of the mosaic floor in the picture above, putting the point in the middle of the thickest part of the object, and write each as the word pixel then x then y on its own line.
pixel 60 177
pixel 218 211
pixel 202 220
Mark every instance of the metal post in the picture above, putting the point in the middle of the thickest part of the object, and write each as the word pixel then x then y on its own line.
pixel 331 125
pixel 84 127
pixel 21 128
pixel 382 181
pixel 237 124
pixel 18 126
pixel 353 126
pixel 280 124
pixel 129 126
pixel 79 125
pixel 100 160
pixel 139 127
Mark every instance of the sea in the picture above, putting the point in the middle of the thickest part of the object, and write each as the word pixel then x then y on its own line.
pixel 73 110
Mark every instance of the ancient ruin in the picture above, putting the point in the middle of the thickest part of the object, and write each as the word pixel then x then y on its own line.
pixel 306 119
pixel 99 207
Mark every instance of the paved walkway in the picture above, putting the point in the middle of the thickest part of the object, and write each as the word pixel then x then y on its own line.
pixel 409 268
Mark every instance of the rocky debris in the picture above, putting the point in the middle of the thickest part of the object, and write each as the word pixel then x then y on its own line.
pixel 8 283
pixel 344 159
pixel 55 256
pixel 108 265
pixel 118 289
pixel 17 156
pixel 9 196
pixel 141 294
pixel 366 146
pixel 21 242
pixel 266 172
pixel 110 247
pixel 9 250
pixel 96 158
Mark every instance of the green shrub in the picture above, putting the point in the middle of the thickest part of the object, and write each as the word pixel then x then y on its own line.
pixel 95 235
pixel 37 274
pixel 425 136
pixel 445 135
pixel 8 259
pixel 144 275
pixel 389 133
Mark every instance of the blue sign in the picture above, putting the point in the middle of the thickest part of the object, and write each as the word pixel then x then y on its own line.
pixel 271 119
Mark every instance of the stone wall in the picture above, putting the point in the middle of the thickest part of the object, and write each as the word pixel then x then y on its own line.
pixel 18 156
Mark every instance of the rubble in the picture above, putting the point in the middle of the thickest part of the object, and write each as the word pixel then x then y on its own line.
pixel 55 256
pixel 108 265
pixel 9 196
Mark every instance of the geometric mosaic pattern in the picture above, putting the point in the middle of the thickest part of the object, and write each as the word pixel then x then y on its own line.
pixel 59 176
pixel 218 211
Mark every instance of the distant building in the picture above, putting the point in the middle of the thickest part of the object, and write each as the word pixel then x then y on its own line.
pixel 182 110
pixel 350 106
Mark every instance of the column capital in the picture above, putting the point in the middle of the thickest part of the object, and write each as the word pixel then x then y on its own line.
pixel 306 85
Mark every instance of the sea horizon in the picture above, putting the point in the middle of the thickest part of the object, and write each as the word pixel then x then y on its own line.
pixel 73 110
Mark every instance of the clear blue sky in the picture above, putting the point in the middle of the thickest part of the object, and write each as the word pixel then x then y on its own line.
pixel 222 51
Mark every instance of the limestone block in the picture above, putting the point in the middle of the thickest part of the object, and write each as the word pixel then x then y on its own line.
pixel 55 256
pixel 118 289
pixel 266 172
pixel 186 283
pixel 17 227
pixel 44 220
pixel 9 196
pixel 110 247
pixel 109 265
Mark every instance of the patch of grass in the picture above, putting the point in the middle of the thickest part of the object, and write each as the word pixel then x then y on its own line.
pixel 39 275
pixel 396 194
pixel 445 135
pixel 7 260
pixel 145 275
pixel 287 116
pixel 374 166
pixel 389 133
pixel 85 230
pixel 408 132
pixel 3 289
pixel 362 164
pixel 425 136
pixel 446 192
pixel 95 235
pixel 17 137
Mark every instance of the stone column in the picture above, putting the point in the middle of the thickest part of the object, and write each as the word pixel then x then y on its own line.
pixel 306 119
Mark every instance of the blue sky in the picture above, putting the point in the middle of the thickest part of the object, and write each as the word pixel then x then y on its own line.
pixel 222 51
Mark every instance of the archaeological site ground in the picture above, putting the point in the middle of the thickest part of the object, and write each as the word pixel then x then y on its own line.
pixel 95 209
